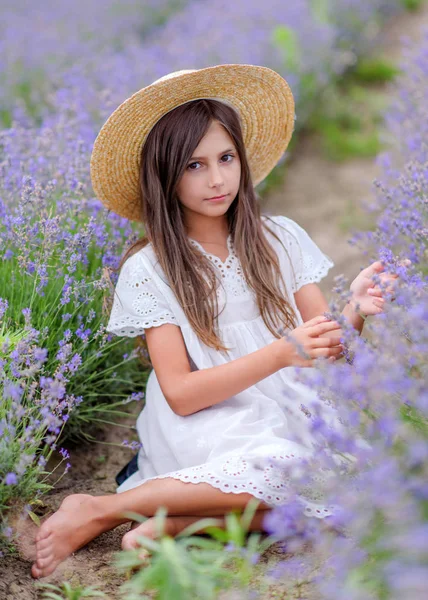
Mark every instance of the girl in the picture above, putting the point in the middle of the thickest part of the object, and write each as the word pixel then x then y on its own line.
pixel 212 285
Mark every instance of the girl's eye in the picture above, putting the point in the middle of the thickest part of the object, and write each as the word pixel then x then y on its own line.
pixel 198 163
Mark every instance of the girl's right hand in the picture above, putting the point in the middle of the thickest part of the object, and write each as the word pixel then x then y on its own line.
pixel 308 338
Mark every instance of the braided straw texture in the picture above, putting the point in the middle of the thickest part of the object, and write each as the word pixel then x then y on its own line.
pixel 261 96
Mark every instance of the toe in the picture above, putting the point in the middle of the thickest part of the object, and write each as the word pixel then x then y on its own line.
pixel 35 571
pixel 43 533
pixel 129 542
pixel 44 544
pixel 44 563
pixel 44 552
pixel 44 567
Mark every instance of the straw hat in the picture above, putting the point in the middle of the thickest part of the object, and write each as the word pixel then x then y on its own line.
pixel 261 96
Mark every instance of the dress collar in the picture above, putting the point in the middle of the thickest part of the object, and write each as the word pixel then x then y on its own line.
pixel 214 256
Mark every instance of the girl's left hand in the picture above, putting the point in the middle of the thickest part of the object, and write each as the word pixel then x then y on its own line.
pixel 368 295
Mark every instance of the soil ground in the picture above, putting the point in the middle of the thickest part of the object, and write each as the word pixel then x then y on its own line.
pixel 322 196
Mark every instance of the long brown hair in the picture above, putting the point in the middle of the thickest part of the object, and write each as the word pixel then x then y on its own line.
pixel 192 277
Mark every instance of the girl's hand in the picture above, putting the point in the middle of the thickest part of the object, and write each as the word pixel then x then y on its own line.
pixel 306 340
pixel 368 296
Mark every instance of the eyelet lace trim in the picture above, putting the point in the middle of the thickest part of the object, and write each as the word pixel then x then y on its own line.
pixel 267 483
pixel 127 325
pixel 310 273
pixel 309 263
pixel 143 307
pixel 233 281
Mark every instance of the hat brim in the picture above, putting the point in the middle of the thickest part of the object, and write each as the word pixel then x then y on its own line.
pixel 261 96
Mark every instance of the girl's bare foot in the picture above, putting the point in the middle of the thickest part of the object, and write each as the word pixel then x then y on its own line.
pixel 172 527
pixel 79 520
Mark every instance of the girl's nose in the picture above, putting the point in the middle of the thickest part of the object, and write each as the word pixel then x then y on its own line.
pixel 215 177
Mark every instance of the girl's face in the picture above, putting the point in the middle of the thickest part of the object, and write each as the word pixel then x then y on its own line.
pixel 213 170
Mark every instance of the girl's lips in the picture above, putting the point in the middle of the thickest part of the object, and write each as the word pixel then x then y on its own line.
pixel 218 199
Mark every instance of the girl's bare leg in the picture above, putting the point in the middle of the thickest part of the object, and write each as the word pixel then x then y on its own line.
pixel 81 517
pixel 175 525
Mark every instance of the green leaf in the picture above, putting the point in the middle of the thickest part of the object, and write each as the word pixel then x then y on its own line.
pixel 234 529
pixel 319 9
pixel 92 592
pixel 149 543
pixel 135 517
pixel 34 518
pixel 249 512
pixel 218 534
pixel 170 550
pixel 201 543
pixel 38 501
pixel 194 527
pixel 374 69
pixel 412 5
pixel 52 596
pixel 286 40
pixel 160 519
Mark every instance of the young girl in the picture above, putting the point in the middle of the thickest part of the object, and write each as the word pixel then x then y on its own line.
pixel 213 285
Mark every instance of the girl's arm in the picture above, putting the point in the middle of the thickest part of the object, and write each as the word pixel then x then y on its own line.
pixel 311 302
pixel 188 391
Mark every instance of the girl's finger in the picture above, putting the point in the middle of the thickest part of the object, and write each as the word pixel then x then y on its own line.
pixel 321 328
pixel 381 292
pixel 326 352
pixel 374 269
pixel 318 319
pixel 375 292
pixel 326 342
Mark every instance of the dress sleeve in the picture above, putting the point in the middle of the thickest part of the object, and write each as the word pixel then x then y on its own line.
pixel 137 304
pixel 309 264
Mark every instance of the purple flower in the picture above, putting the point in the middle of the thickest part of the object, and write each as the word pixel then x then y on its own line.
pixel 40 354
pixel 3 307
pixel 13 391
pixel 11 479
pixel 64 453
pixel 134 445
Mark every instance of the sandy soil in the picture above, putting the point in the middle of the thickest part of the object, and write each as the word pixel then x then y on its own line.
pixel 324 197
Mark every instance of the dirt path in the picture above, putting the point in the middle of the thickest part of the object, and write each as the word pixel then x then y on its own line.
pixel 320 195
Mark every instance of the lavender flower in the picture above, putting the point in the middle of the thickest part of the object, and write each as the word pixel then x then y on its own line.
pixel 377 484
pixel 11 479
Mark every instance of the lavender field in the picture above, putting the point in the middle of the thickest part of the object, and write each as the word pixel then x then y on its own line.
pixel 65 381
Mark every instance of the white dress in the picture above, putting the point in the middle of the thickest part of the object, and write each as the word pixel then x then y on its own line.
pixel 236 445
